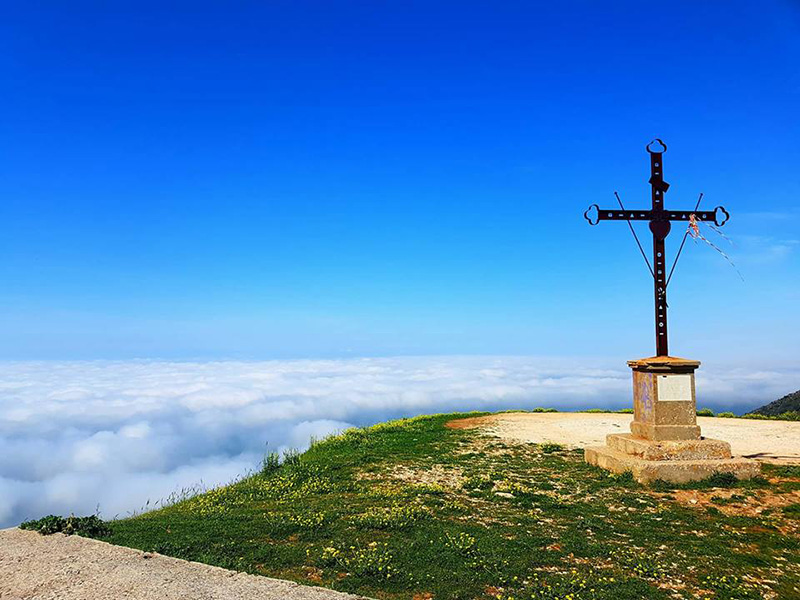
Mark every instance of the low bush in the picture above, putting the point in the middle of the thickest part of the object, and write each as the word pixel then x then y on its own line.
pixel 717 480
pixel 781 470
pixel 791 415
pixel 291 457
pixel 92 527
pixel 793 511
pixel 270 463
pixel 550 447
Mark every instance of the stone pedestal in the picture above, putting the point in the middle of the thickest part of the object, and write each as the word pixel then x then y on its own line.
pixel 665 441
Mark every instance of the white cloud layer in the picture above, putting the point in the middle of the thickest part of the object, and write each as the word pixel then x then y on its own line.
pixel 75 435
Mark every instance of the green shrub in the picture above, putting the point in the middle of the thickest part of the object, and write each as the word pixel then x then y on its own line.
pixel 724 480
pixel 717 480
pixel 705 412
pixel 92 527
pixel 291 457
pixel 782 470
pixel 462 543
pixel 792 511
pixel 270 463
pixel 791 415
pixel 478 482
pixel 539 409
pixel 726 415
pixel 624 479
pixel 550 447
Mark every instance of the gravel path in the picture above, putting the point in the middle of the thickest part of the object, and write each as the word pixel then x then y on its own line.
pixel 769 441
pixel 34 566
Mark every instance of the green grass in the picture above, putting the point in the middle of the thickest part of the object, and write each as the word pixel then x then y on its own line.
pixel 412 507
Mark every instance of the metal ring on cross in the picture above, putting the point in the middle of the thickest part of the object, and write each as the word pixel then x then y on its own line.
pixel 725 217
pixel 660 143
pixel 588 218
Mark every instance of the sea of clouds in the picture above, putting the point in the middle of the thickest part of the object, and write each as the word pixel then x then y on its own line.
pixel 76 437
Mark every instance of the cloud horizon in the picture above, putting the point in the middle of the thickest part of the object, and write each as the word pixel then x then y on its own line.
pixel 78 436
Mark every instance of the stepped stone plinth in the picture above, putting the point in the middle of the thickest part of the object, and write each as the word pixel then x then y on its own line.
pixel 665 441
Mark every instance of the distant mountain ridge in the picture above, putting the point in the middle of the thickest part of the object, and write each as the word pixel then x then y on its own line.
pixel 789 403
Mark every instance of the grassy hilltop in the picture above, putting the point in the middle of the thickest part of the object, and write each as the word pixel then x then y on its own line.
pixel 415 509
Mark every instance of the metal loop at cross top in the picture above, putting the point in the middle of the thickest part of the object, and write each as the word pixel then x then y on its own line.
pixel 658 141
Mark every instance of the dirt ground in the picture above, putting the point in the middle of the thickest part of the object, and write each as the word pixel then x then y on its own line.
pixel 37 567
pixel 768 441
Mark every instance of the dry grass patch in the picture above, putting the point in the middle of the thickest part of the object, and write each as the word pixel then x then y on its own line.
pixel 446 476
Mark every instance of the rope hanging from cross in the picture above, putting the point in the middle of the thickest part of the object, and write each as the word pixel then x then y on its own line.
pixel 660 224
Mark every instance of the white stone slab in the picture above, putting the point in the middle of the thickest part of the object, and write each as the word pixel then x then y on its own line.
pixel 674 388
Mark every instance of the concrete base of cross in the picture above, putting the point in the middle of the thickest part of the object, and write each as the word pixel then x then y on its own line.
pixel 672 461
pixel 665 441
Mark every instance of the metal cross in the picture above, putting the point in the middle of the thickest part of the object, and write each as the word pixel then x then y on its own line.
pixel 659 226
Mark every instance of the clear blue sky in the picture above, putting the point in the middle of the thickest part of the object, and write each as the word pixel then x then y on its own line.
pixel 290 179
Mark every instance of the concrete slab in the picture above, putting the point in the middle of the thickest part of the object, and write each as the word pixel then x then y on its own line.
pixel 702 449
pixel 674 471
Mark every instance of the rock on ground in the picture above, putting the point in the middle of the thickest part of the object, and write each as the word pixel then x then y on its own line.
pixel 37 567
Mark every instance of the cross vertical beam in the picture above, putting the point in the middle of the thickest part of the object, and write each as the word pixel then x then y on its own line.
pixel 660 227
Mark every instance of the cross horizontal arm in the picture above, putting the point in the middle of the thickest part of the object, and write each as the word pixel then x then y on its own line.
pixel 594 214
pixel 719 215
pixel 683 215
pixel 647 215
pixel 624 215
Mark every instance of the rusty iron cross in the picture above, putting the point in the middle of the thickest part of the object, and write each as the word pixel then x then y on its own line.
pixel 660 227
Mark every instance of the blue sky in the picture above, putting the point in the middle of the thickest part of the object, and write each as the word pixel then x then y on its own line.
pixel 302 179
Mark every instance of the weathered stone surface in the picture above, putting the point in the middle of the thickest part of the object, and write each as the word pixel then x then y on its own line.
pixel 665 432
pixel 656 363
pixel 665 442
pixel 673 471
pixel 702 449
pixel 664 398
